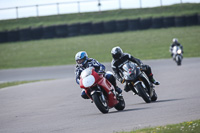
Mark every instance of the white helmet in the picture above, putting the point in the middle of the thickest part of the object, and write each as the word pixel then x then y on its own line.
pixel 175 40
pixel 116 52
pixel 81 58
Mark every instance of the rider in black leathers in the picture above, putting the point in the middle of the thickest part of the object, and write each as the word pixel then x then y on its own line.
pixel 119 58
pixel 175 43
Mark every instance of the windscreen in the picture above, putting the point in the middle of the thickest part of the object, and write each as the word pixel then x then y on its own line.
pixel 126 67
pixel 86 72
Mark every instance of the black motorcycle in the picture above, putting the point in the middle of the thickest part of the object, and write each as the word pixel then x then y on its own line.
pixel 138 82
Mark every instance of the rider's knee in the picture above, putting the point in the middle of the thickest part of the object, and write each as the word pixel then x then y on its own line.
pixel 84 95
pixel 110 77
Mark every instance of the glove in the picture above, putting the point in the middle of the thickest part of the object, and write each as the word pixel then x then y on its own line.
pixel 101 71
pixel 143 67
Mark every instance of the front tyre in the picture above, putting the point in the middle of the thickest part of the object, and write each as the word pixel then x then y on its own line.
pixel 100 102
pixel 143 93
pixel 178 60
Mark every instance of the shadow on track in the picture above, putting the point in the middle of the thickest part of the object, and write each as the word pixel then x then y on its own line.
pixel 168 100
pixel 158 101
pixel 127 110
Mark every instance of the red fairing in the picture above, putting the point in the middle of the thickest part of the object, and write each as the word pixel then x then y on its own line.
pixel 96 76
pixel 105 84
pixel 81 83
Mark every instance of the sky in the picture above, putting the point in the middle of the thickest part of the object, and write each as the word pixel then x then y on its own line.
pixel 72 6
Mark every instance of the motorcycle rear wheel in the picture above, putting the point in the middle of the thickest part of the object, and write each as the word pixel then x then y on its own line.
pixel 100 103
pixel 154 97
pixel 121 104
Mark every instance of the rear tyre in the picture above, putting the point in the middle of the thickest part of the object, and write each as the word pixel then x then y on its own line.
pixel 154 97
pixel 100 102
pixel 121 104
pixel 143 93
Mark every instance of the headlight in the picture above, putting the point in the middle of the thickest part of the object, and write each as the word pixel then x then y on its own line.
pixel 179 51
pixel 88 81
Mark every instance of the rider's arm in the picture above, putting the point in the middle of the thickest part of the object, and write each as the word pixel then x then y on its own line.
pixel 116 72
pixel 171 47
pixel 77 73
pixel 181 46
pixel 135 60
pixel 98 65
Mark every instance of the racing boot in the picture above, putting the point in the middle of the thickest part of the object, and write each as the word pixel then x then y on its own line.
pixel 118 90
pixel 152 80
pixel 126 88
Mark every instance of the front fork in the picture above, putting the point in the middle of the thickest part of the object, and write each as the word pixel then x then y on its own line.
pixel 148 88
pixel 98 90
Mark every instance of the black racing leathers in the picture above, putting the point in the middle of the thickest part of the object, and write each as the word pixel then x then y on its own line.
pixel 117 64
pixel 175 44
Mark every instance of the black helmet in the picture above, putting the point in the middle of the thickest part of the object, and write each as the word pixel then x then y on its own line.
pixel 116 52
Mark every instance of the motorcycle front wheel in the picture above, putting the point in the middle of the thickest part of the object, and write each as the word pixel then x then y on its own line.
pixel 143 93
pixel 178 60
pixel 100 102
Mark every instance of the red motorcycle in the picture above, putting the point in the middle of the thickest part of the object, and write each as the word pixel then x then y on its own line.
pixel 100 90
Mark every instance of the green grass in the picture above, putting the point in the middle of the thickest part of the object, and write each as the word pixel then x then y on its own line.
pixel 145 44
pixel 174 10
pixel 186 127
pixel 7 84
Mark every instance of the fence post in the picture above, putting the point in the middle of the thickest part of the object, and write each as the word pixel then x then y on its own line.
pixel 17 12
pixel 160 2
pixel 99 5
pixel 78 3
pixel 140 3
pixel 37 11
pixel 58 8
pixel 119 4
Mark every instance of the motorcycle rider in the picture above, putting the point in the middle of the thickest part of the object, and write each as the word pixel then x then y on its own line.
pixel 119 58
pixel 175 43
pixel 84 62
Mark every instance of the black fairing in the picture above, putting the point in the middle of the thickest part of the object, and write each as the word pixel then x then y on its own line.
pixel 131 71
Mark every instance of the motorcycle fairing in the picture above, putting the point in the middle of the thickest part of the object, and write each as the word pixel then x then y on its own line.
pixel 101 81
pixel 108 87
pixel 131 72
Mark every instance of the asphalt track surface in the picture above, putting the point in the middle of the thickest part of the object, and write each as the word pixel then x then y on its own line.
pixel 55 106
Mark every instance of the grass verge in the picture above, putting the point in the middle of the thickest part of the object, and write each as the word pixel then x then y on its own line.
pixel 186 127
pixel 8 84
pixel 144 44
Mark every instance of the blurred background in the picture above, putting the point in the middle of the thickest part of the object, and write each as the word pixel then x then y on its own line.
pixel 49 33
pixel 13 9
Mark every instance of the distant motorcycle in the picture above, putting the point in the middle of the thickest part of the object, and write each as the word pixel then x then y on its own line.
pixel 138 82
pixel 100 91
pixel 177 55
